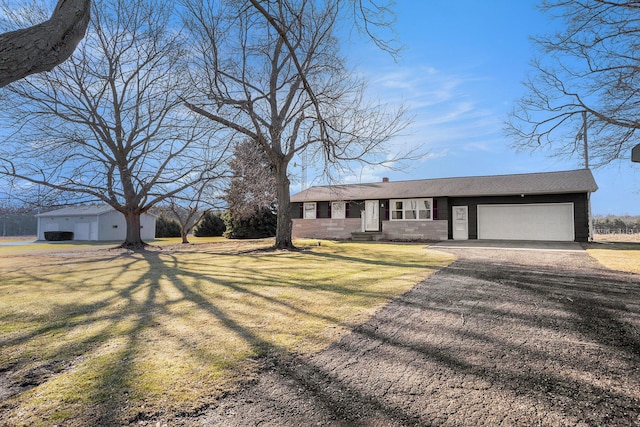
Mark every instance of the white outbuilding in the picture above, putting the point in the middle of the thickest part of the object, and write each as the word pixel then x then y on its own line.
pixel 98 223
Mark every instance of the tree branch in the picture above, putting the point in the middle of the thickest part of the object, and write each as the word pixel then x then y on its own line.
pixel 43 46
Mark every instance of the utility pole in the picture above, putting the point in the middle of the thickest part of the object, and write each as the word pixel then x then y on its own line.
pixel 585 145
pixel 305 159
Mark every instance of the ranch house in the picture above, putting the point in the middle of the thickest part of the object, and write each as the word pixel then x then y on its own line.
pixel 548 206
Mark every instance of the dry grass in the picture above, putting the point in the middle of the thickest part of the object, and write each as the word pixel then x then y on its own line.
pixel 17 238
pixel 617 238
pixel 91 335
pixel 616 255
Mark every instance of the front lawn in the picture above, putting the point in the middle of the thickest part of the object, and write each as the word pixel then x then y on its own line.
pixel 92 335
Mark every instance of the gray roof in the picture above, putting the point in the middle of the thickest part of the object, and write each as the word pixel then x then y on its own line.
pixel 79 211
pixel 576 181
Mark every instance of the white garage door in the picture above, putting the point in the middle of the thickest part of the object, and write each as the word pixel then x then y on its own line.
pixel 551 221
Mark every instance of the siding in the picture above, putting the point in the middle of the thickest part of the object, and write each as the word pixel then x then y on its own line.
pixel 579 200
pixel 353 209
pixel 112 226
pixel 69 223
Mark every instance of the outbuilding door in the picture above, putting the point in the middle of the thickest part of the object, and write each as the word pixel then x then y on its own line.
pixel 81 231
pixel 544 221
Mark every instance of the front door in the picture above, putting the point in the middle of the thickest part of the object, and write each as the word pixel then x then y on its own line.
pixel 371 216
pixel 460 223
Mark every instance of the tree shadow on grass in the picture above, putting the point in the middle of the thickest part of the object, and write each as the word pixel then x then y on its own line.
pixel 337 402
pixel 514 347
pixel 440 344
pixel 37 354
pixel 107 331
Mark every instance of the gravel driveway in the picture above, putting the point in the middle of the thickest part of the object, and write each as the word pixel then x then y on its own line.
pixel 500 337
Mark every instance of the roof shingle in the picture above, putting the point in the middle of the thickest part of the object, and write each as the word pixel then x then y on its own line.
pixel 575 181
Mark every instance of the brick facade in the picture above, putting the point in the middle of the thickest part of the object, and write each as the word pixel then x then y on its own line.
pixel 415 230
pixel 341 229
pixel 325 228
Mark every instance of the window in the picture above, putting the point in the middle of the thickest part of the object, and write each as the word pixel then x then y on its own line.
pixel 412 210
pixel 310 210
pixel 397 212
pixel 338 210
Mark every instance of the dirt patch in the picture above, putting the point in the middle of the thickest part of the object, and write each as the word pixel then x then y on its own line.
pixel 500 337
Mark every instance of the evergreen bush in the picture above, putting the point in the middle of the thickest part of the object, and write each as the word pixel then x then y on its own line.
pixel 167 227
pixel 259 225
pixel 211 225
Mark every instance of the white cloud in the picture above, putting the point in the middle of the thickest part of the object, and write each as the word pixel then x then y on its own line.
pixel 450 120
pixel 447 110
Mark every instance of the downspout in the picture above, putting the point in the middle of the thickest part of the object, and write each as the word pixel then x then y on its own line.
pixel 590 238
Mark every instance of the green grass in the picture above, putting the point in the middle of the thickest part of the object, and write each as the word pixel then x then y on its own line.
pixel 94 335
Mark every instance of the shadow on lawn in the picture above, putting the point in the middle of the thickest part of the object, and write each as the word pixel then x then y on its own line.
pixel 498 342
pixel 118 325
pixel 338 402
pixel 107 384
pixel 471 345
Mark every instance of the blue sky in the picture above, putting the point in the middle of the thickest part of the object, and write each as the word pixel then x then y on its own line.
pixel 459 74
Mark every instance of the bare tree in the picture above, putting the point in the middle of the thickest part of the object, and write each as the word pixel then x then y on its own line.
pixel 187 216
pixel 108 123
pixel 272 72
pixel 586 78
pixel 43 46
pixel 191 205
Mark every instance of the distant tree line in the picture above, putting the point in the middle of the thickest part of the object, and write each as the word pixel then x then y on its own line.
pixel 614 224
pixel 17 221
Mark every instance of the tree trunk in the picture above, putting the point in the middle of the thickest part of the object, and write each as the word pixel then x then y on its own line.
pixel 133 239
pixel 43 46
pixel 183 234
pixel 284 226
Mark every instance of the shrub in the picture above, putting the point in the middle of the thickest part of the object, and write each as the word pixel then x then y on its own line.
pixel 259 225
pixel 167 227
pixel 57 236
pixel 211 225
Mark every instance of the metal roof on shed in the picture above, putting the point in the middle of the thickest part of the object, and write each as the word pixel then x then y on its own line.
pixel 79 211
pixel 575 181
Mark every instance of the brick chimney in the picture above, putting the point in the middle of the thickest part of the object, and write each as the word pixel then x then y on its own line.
pixel 385 179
